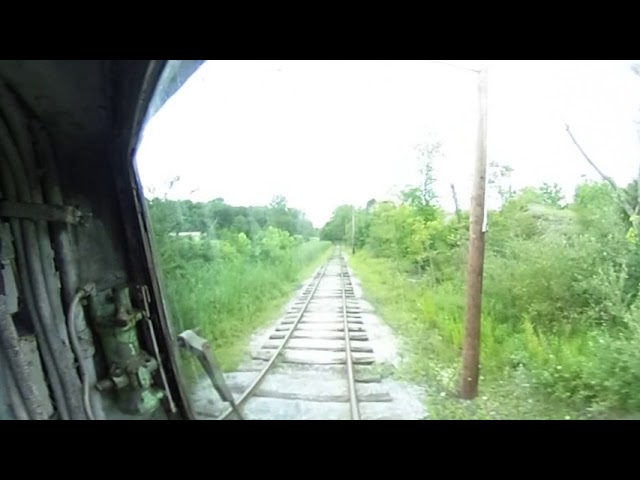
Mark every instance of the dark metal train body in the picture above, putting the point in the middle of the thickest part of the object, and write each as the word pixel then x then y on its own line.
pixel 84 332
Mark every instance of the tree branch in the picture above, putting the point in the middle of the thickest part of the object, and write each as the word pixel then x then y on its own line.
pixel 600 172
pixel 618 193
pixel 455 201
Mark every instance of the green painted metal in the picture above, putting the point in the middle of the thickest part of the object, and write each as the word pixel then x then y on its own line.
pixel 130 368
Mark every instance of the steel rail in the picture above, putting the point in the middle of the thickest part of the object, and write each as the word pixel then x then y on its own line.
pixel 265 370
pixel 353 397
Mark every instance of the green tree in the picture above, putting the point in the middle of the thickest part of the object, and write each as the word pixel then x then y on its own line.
pixel 335 230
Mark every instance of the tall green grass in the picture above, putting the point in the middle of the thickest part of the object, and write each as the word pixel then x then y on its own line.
pixel 429 320
pixel 560 303
pixel 231 297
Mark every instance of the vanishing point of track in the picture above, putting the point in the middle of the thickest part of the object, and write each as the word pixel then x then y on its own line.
pixel 291 326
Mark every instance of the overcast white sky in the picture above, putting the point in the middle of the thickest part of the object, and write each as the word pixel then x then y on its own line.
pixel 324 133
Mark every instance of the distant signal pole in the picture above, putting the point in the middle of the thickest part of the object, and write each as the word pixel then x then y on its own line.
pixel 477 227
pixel 353 230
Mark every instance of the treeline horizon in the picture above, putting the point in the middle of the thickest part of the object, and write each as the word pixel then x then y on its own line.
pixel 209 217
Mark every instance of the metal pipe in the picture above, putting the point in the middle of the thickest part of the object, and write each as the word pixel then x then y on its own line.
pixel 19 132
pixel 15 360
pixel 65 251
pixel 53 330
pixel 63 246
pixel 8 185
pixel 77 351
pixel 29 189
pixel 8 384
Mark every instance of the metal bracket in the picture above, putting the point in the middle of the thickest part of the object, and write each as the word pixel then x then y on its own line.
pixel 197 345
pixel 130 367
pixel 40 211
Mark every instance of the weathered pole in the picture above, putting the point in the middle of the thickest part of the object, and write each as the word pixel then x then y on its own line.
pixel 471 348
pixel 353 230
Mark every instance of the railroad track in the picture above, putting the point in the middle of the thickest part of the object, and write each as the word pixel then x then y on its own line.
pixel 317 363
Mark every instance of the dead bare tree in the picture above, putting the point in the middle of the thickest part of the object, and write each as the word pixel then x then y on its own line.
pixel 620 194
pixel 630 205
pixel 455 200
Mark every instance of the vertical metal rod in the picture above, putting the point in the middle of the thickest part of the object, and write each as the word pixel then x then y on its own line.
pixel 146 296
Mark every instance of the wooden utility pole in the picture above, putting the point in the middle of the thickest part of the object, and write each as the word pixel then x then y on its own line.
pixel 471 349
pixel 353 230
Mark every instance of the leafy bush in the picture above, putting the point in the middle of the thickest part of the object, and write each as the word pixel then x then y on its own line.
pixel 225 282
pixel 560 300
